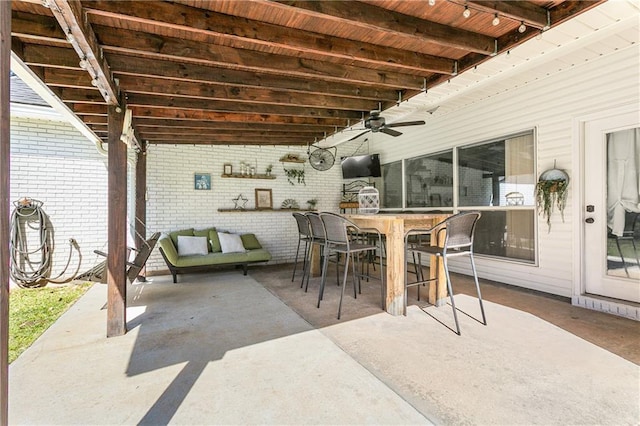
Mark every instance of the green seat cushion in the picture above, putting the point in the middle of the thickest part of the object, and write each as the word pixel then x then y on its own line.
pixel 174 235
pixel 250 242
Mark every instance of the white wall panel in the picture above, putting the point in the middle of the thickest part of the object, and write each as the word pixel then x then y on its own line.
pixel 548 103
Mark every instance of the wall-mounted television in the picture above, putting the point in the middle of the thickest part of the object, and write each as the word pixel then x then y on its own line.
pixel 361 166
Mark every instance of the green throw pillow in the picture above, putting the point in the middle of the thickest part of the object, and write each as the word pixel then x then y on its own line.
pixel 215 241
pixel 250 242
pixel 185 232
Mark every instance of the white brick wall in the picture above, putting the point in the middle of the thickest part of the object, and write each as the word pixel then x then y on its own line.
pixel 52 162
pixel 173 203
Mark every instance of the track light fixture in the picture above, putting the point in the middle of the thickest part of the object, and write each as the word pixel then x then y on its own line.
pixel 432 2
pixel 467 12
pixel 496 20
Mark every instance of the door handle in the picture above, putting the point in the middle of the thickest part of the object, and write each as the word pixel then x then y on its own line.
pixel 589 220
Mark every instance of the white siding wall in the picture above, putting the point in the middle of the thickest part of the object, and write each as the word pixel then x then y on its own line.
pixel 174 204
pixel 549 105
pixel 52 162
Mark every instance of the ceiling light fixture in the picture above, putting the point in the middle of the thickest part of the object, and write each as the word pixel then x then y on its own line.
pixel 84 64
pixel 522 28
pixel 432 2
pixel 496 20
pixel 467 12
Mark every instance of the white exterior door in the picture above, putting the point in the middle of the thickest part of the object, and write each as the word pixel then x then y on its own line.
pixel 612 207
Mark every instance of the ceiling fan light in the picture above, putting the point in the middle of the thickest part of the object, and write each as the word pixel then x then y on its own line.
pixel 467 12
pixel 496 20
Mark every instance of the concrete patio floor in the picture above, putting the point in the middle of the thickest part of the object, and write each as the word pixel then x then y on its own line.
pixel 222 348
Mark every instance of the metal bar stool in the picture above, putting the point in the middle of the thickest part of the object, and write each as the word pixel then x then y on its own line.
pixel 460 230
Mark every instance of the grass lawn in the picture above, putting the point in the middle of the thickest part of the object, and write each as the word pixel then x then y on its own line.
pixel 32 311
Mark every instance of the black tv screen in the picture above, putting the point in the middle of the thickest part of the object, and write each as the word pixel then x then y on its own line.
pixel 361 166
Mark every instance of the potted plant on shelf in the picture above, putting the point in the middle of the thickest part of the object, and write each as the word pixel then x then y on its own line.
pixel 312 203
pixel 269 169
pixel 551 192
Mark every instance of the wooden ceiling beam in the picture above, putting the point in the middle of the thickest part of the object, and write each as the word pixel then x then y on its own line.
pixel 530 14
pixel 240 33
pixel 151 101
pixel 155 132
pixel 284 68
pixel 238 137
pixel 233 117
pixel 125 65
pixel 79 33
pixel 250 95
pixel 209 50
pixel 244 142
pixel 167 48
pixel 375 18
pixel 163 123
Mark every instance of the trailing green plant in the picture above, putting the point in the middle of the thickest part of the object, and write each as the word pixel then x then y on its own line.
pixel 295 175
pixel 551 194
pixel 312 203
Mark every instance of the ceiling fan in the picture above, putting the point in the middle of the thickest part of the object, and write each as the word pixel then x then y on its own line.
pixel 376 123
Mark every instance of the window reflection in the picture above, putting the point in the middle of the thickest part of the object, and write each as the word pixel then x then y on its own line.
pixel 499 173
pixel 391 189
pixel 429 180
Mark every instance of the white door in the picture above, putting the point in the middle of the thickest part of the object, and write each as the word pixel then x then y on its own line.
pixel 612 204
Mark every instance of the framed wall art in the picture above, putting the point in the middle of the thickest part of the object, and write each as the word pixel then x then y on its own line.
pixel 202 181
pixel 264 199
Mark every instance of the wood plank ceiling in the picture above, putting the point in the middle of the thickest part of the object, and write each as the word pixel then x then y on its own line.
pixel 266 72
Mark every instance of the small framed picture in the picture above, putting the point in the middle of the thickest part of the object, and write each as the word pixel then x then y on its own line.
pixel 264 199
pixel 228 169
pixel 202 181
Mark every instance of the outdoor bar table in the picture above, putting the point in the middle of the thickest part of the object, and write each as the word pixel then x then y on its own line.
pixel 394 226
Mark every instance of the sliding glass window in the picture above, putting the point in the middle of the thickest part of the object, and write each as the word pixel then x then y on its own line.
pixel 501 174
pixel 496 177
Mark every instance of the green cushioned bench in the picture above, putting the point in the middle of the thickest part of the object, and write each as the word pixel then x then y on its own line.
pixel 254 253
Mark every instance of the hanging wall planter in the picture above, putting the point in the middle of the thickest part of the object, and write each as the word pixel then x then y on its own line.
pixel 551 192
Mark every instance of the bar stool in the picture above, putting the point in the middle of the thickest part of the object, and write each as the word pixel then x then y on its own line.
pixel 460 229
pixel 344 237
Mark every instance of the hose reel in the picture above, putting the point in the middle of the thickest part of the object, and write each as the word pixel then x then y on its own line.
pixel 31 246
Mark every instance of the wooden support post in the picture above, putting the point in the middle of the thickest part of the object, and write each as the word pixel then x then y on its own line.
pixel 5 123
pixel 117 226
pixel 141 202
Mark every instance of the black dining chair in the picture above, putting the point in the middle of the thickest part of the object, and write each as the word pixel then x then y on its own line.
pixel 458 241
pixel 304 236
pixel 346 238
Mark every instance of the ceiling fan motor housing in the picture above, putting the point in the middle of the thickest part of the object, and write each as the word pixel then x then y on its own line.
pixel 374 123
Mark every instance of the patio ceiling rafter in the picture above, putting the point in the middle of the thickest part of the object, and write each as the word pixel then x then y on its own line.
pixel 80 35
pixel 281 72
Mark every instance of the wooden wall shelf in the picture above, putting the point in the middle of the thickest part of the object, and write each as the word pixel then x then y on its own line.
pixel 239 176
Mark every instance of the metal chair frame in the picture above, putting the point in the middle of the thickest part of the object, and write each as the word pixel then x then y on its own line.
pixel 345 237
pixel 304 235
pixel 459 232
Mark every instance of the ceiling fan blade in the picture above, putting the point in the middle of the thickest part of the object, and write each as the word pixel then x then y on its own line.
pixel 390 131
pixel 407 123
pixel 358 135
